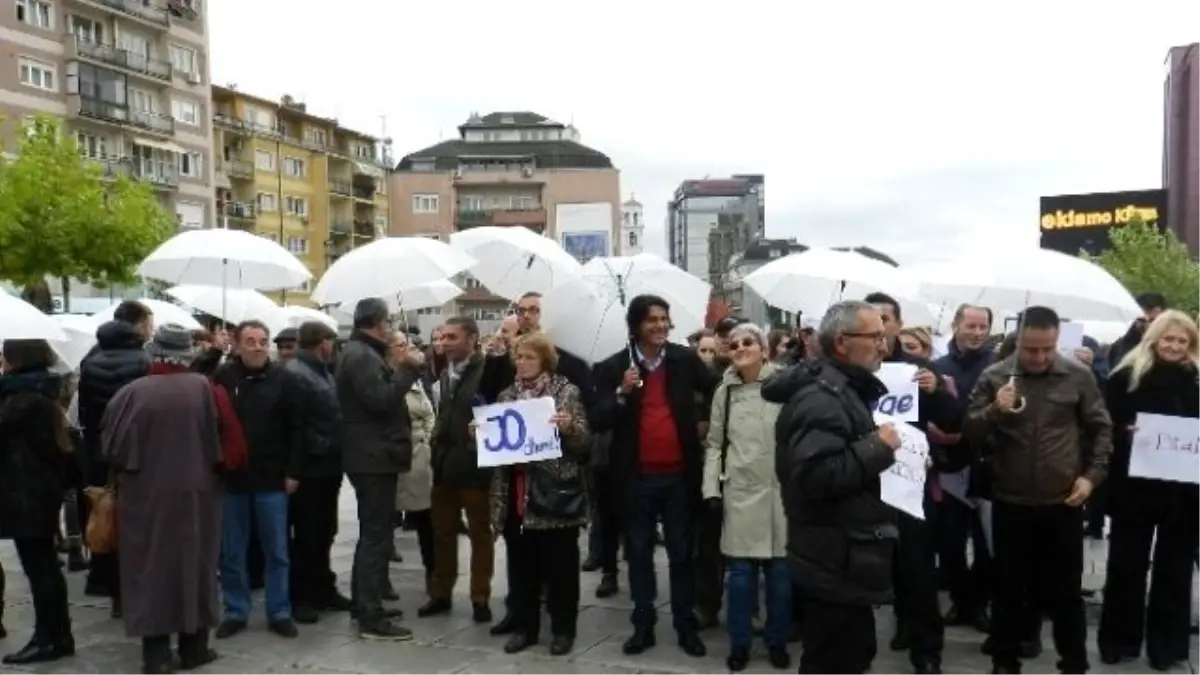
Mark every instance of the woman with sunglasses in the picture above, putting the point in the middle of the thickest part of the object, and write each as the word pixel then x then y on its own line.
pixel 740 486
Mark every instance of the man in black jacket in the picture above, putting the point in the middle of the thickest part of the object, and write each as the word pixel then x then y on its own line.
pixel 376 449
pixel 265 399
pixel 829 454
pixel 317 470
pixel 118 358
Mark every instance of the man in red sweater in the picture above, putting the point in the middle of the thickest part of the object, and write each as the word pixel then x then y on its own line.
pixel 646 396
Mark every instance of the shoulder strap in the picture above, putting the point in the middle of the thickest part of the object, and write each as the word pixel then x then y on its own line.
pixel 725 433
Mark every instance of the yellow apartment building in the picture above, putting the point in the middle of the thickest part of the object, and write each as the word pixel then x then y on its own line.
pixel 304 181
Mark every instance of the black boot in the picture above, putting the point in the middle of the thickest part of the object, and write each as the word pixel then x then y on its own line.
pixel 194 651
pixel 157 656
pixel 608 586
pixel 591 564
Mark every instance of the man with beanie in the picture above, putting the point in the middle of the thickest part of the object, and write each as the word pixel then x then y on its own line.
pixel 286 344
pixel 376 448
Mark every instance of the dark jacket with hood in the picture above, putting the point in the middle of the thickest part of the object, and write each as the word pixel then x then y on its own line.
pixel 377 430
pixel 268 407
pixel 118 358
pixel 320 452
pixel 33 464
pixel 828 458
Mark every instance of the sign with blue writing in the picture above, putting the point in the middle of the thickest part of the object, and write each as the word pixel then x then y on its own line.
pixel 901 399
pixel 516 432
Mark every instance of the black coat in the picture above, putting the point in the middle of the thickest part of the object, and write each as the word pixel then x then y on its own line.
pixel 268 406
pixel 964 368
pixel 320 454
pixel 687 376
pixel 118 358
pixel 33 466
pixel 377 431
pixel 841 535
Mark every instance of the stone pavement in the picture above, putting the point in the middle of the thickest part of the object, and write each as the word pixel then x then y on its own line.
pixel 454 644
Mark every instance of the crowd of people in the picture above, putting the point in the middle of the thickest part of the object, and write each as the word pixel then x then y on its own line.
pixel 753 458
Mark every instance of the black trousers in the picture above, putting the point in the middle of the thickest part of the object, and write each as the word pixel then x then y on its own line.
pixel 709 563
pixel 156 649
pixel 1039 556
pixel 376 494
pixel 1140 511
pixel 970 586
pixel 916 588
pixel 313 513
pixel 837 638
pixel 39 560
pixel 422 523
pixel 543 557
pixel 606 521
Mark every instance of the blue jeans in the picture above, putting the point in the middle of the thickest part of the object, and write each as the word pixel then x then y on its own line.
pixel 664 496
pixel 271 516
pixel 743 600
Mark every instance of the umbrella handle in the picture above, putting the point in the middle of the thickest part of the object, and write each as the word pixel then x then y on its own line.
pixel 1020 406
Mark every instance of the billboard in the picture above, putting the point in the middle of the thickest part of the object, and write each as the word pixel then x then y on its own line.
pixel 1070 223
pixel 585 229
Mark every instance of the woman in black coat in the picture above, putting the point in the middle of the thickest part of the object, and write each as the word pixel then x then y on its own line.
pixel 1151 518
pixel 34 458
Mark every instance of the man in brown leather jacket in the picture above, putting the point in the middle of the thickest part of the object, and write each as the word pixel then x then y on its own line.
pixel 1051 437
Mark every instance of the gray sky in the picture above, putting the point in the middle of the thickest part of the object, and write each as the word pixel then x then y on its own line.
pixel 918 128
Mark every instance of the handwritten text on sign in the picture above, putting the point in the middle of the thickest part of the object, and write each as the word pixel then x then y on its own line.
pixel 901 399
pixel 516 432
pixel 1165 448
pixel 902 485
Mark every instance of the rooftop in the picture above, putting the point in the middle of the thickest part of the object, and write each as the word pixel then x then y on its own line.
pixel 288 106
pixel 545 154
pixel 509 120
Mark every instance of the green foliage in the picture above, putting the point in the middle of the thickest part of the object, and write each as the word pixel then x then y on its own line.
pixel 1146 259
pixel 59 218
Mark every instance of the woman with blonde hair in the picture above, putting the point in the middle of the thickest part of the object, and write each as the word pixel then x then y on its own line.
pixel 1158 376
pixel 917 341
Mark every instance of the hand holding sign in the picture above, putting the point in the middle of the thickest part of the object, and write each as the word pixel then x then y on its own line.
pixel 902 485
pixel 1165 448
pixel 901 399
pixel 926 380
pixel 516 432
pixel 889 435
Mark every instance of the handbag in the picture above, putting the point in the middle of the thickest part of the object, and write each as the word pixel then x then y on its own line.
pixel 559 499
pixel 724 441
pixel 101 531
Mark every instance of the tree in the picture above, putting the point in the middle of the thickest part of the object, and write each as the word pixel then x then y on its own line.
pixel 1144 259
pixel 60 218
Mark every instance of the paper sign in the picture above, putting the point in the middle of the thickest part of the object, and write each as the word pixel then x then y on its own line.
pixel 1165 448
pixel 1070 338
pixel 516 432
pixel 901 399
pixel 956 484
pixel 902 485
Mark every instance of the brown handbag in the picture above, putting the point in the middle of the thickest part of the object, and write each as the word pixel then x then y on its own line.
pixel 101 534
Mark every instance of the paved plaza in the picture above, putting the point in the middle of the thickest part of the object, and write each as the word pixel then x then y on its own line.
pixel 454 644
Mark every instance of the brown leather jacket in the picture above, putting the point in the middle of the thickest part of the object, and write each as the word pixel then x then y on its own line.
pixel 1063 433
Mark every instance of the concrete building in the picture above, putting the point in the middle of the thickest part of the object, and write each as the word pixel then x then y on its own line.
pixel 508 169
pixel 709 220
pixel 1181 143
pixel 633 228
pixel 302 180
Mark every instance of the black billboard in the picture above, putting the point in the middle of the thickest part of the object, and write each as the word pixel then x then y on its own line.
pixel 1069 223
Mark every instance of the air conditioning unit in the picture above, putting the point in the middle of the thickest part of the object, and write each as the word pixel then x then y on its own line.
pixel 194 78
pixel 527 172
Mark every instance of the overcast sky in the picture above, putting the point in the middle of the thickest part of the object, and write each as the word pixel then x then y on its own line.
pixel 918 128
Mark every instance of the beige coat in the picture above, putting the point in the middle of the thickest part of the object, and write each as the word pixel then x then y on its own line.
pixel 414 491
pixel 755 524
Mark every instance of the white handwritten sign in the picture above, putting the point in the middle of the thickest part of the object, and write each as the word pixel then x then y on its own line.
pixel 1070 338
pixel 516 432
pixel 902 485
pixel 901 399
pixel 1165 448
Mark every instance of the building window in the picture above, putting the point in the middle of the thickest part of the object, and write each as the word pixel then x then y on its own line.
pixel 85 29
pixel 633 239
pixel 264 160
pixel 191 164
pixel 293 166
pixel 316 137
pixel 297 245
pixel 91 146
pixel 36 13
pixel 37 74
pixel 471 203
pixel 186 112
pixel 183 60
pixel 267 202
pixel 425 203
pixel 133 43
pixel 295 206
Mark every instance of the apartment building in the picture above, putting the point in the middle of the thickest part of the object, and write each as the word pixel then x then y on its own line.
pixel 711 219
pixel 302 180
pixel 508 169
pixel 129 77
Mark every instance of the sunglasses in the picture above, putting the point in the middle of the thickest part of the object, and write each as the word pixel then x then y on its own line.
pixel 744 343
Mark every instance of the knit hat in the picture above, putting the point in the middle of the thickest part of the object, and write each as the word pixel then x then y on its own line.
pixel 172 343
pixel 287 335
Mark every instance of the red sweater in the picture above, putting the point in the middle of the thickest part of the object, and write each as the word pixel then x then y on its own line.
pixel 659 449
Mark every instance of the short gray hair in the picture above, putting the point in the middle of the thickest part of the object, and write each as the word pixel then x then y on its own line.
pixel 753 331
pixel 839 319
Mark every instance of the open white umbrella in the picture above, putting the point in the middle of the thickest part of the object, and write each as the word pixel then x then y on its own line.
pixel 513 261
pixel 385 268
pixel 20 320
pixel 164 313
pixel 233 306
pixel 1075 288
pixel 811 281
pixel 222 258
pixel 586 316
pixel 81 337
pixel 425 296
pixel 295 315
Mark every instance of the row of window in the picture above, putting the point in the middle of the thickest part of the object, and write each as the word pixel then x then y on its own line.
pixel 296 245
pixel 292 206
pixel 104 85
pixel 94 146
pixel 430 203
pixel 264 160
pixel 265 118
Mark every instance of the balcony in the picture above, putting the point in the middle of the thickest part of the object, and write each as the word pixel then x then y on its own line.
pixel 239 210
pixel 136 64
pixel 150 15
pixel 112 167
pixel 231 123
pixel 341 187
pixel 236 168
pixel 364 228
pixel 160 177
pixel 153 122
pixel 365 193
pixel 341 226
pixel 534 218
pixel 120 114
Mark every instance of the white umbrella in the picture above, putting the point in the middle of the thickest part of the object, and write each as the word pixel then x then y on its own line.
pixel 20 320
pixel 224 259
pixel 512 261
pixel 232 306
pixel 164 313
pixel 811 281
pixel 424 296
pixel 385 267
pixel 1075 288
pixel 295 315
pixel 586 317
pixel 81 337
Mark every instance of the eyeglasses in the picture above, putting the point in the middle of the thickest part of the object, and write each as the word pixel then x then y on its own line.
pixel 877 337
pixel 744 343
pixel 522 311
